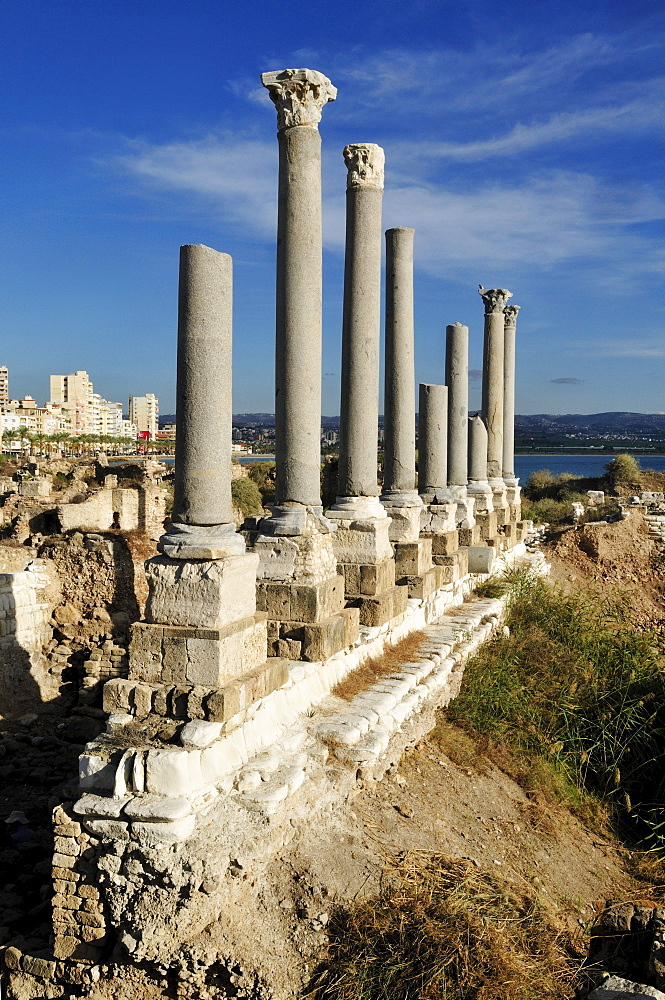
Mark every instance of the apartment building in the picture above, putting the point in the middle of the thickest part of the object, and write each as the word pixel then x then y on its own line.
pixel 144 414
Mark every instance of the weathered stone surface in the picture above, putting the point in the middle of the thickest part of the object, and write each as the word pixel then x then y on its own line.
pixel 363 541
pixel 424 585
pixel 616 988
pixel 488 524
pixel 432 440
pixel 509 330
pixel 413 558
pixel 405 521
pixel 457 380
pixel 323 639
pixel 302 602
pixel 368 580
pixel 203 594
pixel 445 543
pixel 469 536
pixel 383 607
pixel 481 558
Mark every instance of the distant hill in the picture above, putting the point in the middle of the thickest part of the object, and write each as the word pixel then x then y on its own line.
pixel 614 422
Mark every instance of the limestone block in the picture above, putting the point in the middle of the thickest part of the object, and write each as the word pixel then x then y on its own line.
pixel 308 557
pixel 382 608
pixel 323 639
pixel 502 512
pixel 488 524
pixel 364 541
pixel 445 543
pixel 470 536
pixel 368 579
pixel 117 695
pixel 440 518
pixel 201 593
pixel 456 566
pixel 426 584
pixel 223 704
pixel 159 834
pixel 413 558
pixel 404 523
pixel 168 773
pixel 481 558
pixel 301 602
pixel 351 618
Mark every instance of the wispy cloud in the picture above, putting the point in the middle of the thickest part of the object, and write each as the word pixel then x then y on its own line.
pixel 553 218
pixel 636 349
pixel 566 381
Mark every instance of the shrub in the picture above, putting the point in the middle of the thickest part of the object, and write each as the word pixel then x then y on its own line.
pixel 246 495
pixel 622 472
pixel 539 480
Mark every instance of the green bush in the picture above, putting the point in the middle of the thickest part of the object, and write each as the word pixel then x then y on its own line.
pixel 247 496
pixel 622 473
pixel 263 475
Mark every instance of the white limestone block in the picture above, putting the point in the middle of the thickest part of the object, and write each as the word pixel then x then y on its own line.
pixel 201 593
pixel 100 805
pixel 153 834
pixel 200 734
pixel 151 808
pixel 95 771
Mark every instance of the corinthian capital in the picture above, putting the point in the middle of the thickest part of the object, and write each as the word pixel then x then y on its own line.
pixel 298 95
pixel 365 162
pixel 494 298
pixel 510 315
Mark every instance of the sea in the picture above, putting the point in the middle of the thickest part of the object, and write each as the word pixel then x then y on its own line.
pixel 578 465
pixel 586 466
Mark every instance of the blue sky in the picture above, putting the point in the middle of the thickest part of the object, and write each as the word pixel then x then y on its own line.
pixel 524 143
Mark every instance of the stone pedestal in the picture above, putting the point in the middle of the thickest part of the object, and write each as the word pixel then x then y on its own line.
pixel 478 485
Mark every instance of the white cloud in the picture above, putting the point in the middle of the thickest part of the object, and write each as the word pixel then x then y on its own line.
pixel 549 220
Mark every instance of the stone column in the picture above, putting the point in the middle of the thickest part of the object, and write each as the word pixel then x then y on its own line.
pixel 399 494
pixel 509 330
pixel 361 332
pixel 299 95
pixel 361 543
pixel 478 485
pixel 432 441
pixel 298 586
pixel 202 524
pixel 457 380
pixel 492 403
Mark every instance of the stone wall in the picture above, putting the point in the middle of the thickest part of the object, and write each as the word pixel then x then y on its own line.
pixel 27 599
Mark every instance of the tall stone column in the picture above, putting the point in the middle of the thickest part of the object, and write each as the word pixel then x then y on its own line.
pixel 299 95
pixel 202 524
pixel 361 543
pixel 509 330
pixel 492 400
pixel 361 332
pixel 298 585
pixel 399 494
pixel 432 441
pixel 494 300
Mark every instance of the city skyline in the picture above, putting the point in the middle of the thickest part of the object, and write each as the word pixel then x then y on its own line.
pixel 522 147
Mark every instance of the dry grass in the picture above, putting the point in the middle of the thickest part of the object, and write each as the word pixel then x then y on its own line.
pixel 444 930
pixel 371 670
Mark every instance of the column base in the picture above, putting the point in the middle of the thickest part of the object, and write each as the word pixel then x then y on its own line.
pixel 194 541
pixel 404 507
pixel 202 593
pixel 308 557
pixel 356 509
pixel 481 491
pixel 513 490
pixel 439 518
pixel 293 519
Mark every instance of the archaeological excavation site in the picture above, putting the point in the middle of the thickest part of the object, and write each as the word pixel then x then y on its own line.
pixel 206 720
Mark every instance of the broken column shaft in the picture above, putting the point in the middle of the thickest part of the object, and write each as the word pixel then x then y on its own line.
pixel 202 524
pixel 432 441
pixel 457 380
pixel 399 494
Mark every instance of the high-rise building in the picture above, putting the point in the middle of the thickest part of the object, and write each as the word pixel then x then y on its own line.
pixel 74 392
pixel 4 386
pixel 144 413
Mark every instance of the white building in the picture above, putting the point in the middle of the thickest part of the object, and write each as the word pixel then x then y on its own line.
pixel 144 413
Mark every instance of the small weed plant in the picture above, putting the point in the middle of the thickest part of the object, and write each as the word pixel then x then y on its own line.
pixel 579 694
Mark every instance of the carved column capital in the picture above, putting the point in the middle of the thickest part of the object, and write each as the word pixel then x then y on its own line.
pixel 298 95
pixel 365 162
pixel 494 298
pixel 510 315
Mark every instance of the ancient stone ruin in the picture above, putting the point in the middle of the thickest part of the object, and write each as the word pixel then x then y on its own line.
pixel 223 738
